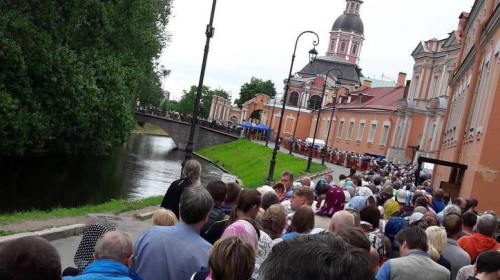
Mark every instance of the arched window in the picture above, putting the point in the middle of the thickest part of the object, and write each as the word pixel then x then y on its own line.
pixel 294 99
pixel 314 102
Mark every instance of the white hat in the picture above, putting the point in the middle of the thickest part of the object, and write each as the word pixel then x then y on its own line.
pixel 415 217
pixel 264 189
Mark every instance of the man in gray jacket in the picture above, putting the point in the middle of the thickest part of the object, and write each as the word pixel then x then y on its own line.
pixel 457 257
pixel 414 263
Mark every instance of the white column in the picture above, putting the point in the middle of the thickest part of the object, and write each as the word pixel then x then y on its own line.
pixel 424 133
pixel 396 131
pixel 407 134
pixel 436 137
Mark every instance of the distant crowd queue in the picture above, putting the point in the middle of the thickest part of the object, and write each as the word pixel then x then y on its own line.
pixel 373 225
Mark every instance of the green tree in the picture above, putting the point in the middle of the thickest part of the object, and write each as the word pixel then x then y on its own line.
pixel 169 105
pixel 186 104
pixel 248 90
pixel 71 71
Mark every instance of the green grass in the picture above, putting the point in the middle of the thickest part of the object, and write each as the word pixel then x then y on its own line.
pixel 114 206
pixel 149 129
pixel 250 161
pixel 7 232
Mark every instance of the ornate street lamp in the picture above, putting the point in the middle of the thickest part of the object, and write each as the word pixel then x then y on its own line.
pixel 336 87
pixel 209 32
pixel 309 160
pixel 312 56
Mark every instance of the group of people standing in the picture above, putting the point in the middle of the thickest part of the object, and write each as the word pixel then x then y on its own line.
pixel 373 225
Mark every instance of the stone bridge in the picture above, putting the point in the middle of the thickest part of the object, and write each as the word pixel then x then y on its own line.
pixel 204 136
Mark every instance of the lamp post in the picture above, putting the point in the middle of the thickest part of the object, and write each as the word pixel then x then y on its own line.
pixel 296 122
pixel 209 32
pixel 309 160
pixel 312 56
pixel 269 124
pixel 336 87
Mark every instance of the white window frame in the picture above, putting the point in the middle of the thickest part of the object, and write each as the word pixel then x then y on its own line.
pixel 341 128
pixel 350 129
pixel 385 133
pixel 361 130
pixel 372 132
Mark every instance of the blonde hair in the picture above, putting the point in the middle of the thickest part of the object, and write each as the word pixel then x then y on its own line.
pixel 164 217
pixel 436 238
pixel 231 258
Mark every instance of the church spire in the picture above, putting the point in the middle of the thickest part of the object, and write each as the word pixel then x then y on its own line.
pixel 347 34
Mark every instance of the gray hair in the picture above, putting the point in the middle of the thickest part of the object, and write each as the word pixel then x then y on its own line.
pixel 487 224
pixel 452 209
pixel 192 169
pixel 114 245
pixel 195 205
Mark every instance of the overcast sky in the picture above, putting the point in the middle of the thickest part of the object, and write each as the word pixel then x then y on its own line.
pixel 256 37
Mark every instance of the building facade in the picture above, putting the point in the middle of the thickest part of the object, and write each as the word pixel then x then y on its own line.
pixel 420 114
pixel 471 127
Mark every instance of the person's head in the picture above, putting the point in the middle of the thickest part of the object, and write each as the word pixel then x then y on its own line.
pixel 356 204
pixel 231 258
pixel 469 220
pixel 374 260
pixel 341 220
pixel 391 209
pixel 487 225
pixel 306 181
pixel 412 238
pixel 488 265
pixel 85 253
pixel 195 206
pixel 431 218
pixel 233 190
pixel 329 178
pixel 192 170
pixel 164 217
pixel 303 220
pixel 421 201
pixel 274 221
pixel 436 238
pixel 461 203
pixel 268 199
pixel 287 179
pixel 317 256
pixel 356 237
pixel 301 196
pixel 29 258
pixel 370 216
pixel 439 193
pixel 473 203
pixel 342 177
pixel 452 223
pixel 245 230
pixel 446 198
pixel 279 188
pixel 249 202
pixel 393 226
pixel 218 191
pixel 116 246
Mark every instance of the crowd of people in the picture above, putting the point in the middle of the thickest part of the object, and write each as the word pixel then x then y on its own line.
pixel 379 225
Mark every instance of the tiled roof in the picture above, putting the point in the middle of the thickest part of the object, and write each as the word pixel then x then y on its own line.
pixel 321 65
pixel 380 99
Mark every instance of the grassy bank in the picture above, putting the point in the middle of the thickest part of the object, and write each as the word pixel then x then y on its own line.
pixel 114 206
pixel 250 161
pixel 149 129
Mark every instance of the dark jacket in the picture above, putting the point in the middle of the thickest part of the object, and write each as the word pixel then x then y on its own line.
pixel 172 197
pixel 215 225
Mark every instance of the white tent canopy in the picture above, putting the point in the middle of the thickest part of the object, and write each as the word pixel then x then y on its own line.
pixel 317 142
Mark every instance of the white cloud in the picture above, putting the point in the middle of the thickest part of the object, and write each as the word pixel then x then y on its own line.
pixel 256 38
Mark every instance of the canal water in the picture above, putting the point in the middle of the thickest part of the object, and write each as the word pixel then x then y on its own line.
pixel 144 166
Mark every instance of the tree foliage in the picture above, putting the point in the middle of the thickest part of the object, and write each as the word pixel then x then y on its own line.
pixel 186 104
pixel 71 71
pixel 248 90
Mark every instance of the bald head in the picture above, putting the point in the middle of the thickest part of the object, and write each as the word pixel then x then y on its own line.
pixel 306 181
pixel 341 220
pixel 114 245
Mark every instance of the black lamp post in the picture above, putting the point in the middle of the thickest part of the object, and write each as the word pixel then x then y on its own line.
pixel 309 160
pixel 336 87
pixel 312 56
pixel 270 123
pixel 209 32
pixel 296 122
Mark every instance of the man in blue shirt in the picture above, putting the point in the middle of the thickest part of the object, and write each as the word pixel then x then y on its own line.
pixel 176 252
pixel 414 263
pixel 112 257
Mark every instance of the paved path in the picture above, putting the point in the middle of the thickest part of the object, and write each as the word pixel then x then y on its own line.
pixel 336 169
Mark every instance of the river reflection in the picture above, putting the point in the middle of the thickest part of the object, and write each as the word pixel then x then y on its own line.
pixel 144 167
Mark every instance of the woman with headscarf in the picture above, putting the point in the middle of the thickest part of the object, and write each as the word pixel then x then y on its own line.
pixel 392 227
